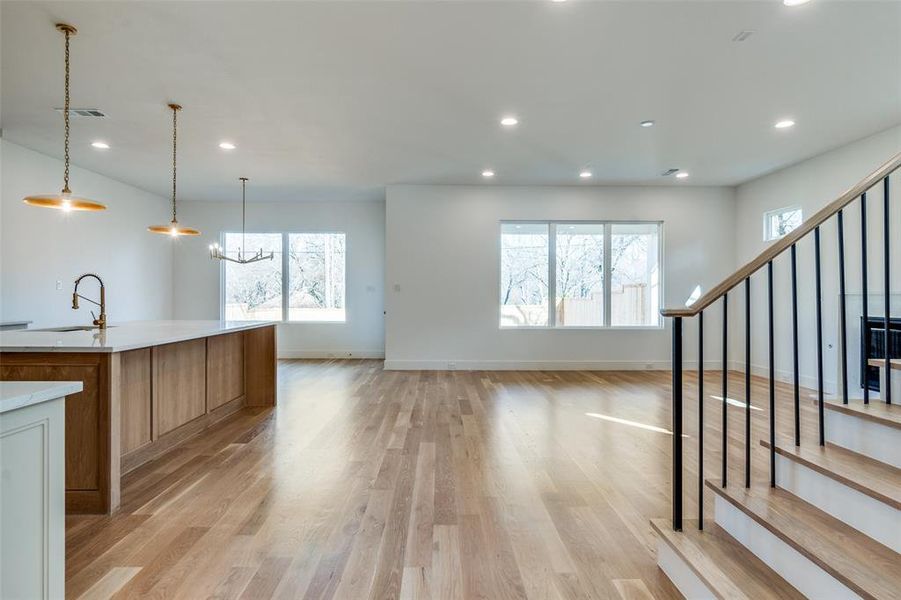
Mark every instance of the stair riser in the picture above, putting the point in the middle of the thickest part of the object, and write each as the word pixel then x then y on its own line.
pixel 864 437
pixel 682 576
pixel 862 512
pixel 799 571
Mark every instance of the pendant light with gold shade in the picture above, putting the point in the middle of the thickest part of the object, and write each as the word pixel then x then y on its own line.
pixel 173 228
pixel 64 200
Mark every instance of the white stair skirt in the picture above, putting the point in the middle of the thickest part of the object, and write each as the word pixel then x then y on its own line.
pixel 895 383
pixel 682 576
pixel 862 512
pixel 796 569
pixel 864 437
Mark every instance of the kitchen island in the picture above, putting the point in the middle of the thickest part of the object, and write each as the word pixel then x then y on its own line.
pixel 147 387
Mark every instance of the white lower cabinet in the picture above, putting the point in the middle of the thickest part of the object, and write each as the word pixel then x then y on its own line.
pixel 32 501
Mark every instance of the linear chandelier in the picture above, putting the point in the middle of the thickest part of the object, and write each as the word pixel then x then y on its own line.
pixel 64 200
pixel 217 252
pixel 173 228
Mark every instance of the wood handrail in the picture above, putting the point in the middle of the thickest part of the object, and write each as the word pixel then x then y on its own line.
pixel 782 244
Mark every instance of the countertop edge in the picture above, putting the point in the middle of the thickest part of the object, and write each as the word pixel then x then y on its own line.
pixel 20 394
pixel 34 349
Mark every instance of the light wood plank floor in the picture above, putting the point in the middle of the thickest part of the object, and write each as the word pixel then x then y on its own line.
pixel 364 483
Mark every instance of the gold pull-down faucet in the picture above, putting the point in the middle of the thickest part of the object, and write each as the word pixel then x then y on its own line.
pixel 100 321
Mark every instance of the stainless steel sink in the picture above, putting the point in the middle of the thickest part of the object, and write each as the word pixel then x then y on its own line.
pixel 72 328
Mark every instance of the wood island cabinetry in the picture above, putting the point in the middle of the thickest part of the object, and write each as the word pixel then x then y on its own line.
pixel 136 404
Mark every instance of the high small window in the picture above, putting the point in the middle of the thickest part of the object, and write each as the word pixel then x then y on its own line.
pixel 780 222
pixel 580 274
pixel 306 285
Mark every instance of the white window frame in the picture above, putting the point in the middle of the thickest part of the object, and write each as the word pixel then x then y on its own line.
pixel 778 211
pixel 552 274
pixel 285 275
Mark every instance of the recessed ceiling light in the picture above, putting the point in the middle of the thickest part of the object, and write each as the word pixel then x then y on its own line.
pixel 585 174
pixel 509 121
pixel 681 175
pixel 227 146
pixel 784 124
pixel 648 123
pixel 794 2
pixel 100 145
pixel 487 173
pixel 558 0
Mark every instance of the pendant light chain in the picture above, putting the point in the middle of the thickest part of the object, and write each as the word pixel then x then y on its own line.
pixel 243 212
pixel 66 189
pixel 174 152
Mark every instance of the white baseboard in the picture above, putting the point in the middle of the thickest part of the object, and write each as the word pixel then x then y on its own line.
pixel 864 513
pixel 288 353
pixel 524 365
pixel 798 570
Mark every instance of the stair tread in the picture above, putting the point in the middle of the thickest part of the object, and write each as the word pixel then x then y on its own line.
pixel 727 568
pixel 862 473
pixel 860 563
pixel 880 362
pixel 877 411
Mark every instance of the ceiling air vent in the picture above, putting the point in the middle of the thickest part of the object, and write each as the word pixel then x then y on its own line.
pixel 743 35
pixel 669 172
pixel 83 112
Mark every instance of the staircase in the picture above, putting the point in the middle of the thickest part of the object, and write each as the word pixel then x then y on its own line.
pixel 820 517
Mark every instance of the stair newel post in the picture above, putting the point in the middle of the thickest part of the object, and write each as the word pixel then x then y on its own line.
pixel 843 324
pixel 701 420
pixel 769 273
pixel 795 359
pixel 865 324
pixel 677 423
pixel 725 386
pixel 886 237
pixel 819 309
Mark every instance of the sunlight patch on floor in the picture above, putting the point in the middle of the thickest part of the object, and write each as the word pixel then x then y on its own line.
pixel 632 423
pixel 734 402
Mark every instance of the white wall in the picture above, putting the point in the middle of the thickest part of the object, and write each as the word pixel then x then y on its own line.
pixel 40 246
pixel 442 252
pixel 813 184
pixel 196 277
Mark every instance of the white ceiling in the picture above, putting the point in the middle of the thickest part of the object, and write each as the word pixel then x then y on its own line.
pixel 337 99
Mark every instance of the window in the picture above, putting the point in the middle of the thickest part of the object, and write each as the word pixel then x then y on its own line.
pixel 780 222
pixel 316 277
pixel 585 274
pixel 306 285
pixel 524 274
pixel 254 291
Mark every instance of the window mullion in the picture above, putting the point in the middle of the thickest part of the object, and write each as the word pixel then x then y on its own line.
pixel 552 275
pixel 608 276
pixel 285 281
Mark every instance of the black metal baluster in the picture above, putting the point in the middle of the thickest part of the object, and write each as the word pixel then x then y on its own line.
pixel 819 303
pixel 797 372
pixel 725 385
pixel 865 354
pixel 747 382
pixel 887 393
pixel 843 325
pixel 772 381
pixel 677 423
pixel 701 420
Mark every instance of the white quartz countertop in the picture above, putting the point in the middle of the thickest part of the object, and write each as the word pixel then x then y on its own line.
pixel 19 394
pixel 119 337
